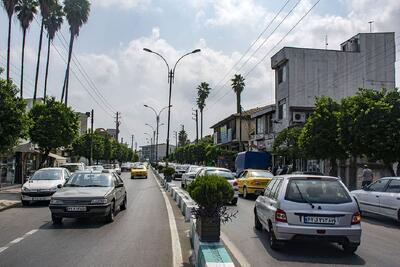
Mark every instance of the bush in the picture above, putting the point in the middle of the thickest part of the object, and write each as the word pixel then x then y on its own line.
pixel 160 168
pixel 168 171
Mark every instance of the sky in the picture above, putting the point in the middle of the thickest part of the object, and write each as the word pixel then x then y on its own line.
pixel 111 72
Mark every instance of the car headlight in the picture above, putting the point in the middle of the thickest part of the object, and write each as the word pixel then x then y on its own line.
pixel 99 201
pixel 56 201
pixel 25 189
pixel 53 188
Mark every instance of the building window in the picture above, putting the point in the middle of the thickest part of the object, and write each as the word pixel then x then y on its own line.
pixel 282 110
pixel 260 125
pixel 282 74
pixel 268 124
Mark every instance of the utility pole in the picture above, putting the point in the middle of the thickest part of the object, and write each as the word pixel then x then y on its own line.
pixel 133 138
pixel 91 137
pixel 117 124
pixel 176 139
pixel 196 118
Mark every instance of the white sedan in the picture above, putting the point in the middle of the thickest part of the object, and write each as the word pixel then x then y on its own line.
pixel 381 197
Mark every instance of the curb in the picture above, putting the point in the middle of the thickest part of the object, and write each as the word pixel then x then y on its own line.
pixel 13 205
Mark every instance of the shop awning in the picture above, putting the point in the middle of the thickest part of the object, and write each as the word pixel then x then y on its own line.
pixel 57 157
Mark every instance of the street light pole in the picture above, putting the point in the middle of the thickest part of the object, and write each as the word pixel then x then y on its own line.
pixel 171 77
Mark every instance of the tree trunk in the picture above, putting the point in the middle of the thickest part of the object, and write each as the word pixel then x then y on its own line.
pixel 38 61
pixel 66 79
pixel 201 124
pixel 44 158
pixel 9 47
pixel 22 63
pixel 47 68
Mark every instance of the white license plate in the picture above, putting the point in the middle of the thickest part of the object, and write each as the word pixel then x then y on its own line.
pixel 39 198
pixel 319 220
pixel 76 208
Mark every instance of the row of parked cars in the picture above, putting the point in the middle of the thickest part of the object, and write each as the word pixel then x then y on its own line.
pixel 76 191
pixel 302 206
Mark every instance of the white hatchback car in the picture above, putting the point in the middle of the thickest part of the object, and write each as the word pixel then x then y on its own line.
pixel 381 197
pixel 43 184
pixel 308 207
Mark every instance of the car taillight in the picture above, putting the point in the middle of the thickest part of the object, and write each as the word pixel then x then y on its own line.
pixel 280 216
pixel 356 218
pixel 235 183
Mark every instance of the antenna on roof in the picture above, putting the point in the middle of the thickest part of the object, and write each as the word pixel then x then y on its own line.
pixel 370 25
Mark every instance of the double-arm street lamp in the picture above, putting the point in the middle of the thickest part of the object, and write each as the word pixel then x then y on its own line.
pixel 158 114
pixel 171 76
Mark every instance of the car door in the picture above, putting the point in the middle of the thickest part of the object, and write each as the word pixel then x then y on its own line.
pixel 117 189
pixel 390 199
pixel 272 199
pixel 369 200
pixel 240 181
pixel 263 203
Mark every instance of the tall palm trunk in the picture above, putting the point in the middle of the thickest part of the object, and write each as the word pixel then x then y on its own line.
pixel 47 68
pixel 66 80
pixel 22 62
pixel 9 47
pixel 201 124
pixel 239 110
pixel 38 60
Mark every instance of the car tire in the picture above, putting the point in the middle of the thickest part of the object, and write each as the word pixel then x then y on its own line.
pixel 56 220
pixel 132 177
pixel 124 204
pixel 25 202
pixel 257 223
pixel 273 242
pixel 245 193
pixel 350 248
pixel 398 216
pixel 234 201
pixel 111 214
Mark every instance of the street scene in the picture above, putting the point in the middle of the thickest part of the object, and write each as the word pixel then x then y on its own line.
pixel 199 133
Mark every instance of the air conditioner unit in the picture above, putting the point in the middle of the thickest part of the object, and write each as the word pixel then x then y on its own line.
pixel 299 117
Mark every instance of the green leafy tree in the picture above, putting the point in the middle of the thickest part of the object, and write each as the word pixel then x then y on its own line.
pixel 26 10
pixel 81 146
pixel 203 90
pixel 13 119
pixel 77 14
pixel 321 131
pixel 9 6
pixel 287 144
pixel 53 126
pixel 182 137
pixel 108 148
pixel 53 24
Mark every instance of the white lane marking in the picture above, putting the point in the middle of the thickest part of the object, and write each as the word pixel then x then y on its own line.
pixel 235 251
pixel 176 244
pixel 17 240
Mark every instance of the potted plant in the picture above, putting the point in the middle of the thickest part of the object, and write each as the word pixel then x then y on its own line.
pixel 211 193
pixel 168 172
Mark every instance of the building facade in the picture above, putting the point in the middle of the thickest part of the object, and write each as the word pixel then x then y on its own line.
pixel 262 138
pixel 148 152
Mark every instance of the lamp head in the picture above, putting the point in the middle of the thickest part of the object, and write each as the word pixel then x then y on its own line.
pixel 147 50
pixel 196 51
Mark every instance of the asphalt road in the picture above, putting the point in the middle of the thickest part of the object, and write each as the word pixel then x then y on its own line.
pixel 380 245
pixel 139 236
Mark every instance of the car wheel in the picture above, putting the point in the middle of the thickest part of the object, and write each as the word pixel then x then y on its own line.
pixel 257 223
pixel 273 242
pixel 124 204
pixel 25 202
pixel 350 248
pixel 245 193
pixel 56 220
pixel 111 214
pixel 132 177
pixel 398 216
pixel 234 201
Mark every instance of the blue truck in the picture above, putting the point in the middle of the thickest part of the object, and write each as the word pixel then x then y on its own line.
pixel 252 160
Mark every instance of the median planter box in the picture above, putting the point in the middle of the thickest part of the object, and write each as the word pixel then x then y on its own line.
pixel 208 229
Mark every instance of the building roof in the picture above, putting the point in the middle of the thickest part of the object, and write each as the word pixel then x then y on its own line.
pixel 245 115
pixel 263 111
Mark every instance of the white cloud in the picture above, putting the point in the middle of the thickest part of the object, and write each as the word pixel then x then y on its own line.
pixel 123 3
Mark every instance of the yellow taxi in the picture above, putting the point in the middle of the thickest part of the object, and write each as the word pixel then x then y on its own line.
pixel 253 182
pixel 139 171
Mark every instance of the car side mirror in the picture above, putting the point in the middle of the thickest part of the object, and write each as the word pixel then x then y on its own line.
pixel 59 186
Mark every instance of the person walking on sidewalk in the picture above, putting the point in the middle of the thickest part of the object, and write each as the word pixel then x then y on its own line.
pixel 367 176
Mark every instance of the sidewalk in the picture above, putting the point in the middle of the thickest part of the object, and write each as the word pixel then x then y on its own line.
pixel 10 197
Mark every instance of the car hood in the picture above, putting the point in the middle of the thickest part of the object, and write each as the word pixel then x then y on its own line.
pixel 42 184
pixel 82 192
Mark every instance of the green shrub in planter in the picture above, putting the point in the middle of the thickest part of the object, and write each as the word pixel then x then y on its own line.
pixel 168 172
pixel 211 194
pixel 160 168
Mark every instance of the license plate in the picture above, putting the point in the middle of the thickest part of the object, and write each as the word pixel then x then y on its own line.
pixel 39 198
pixel 76 208
pixel 319 220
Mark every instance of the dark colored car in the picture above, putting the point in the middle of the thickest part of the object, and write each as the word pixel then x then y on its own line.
pixel 89 194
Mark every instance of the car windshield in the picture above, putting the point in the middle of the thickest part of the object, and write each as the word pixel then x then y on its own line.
pixel 47 175
pixel 139 167
pixel 224 174
pixel 260 174
pixel 316 190
pixel 71 168
pixel 90 180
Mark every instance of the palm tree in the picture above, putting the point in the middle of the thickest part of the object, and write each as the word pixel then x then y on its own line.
pixel 238 87
pixel 26 10
pixel 53 25
pixel 45 12
pixel 203 90
pixel 9 6
pixel 77 13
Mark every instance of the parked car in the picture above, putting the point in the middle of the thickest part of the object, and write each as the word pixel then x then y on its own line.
pixel 126 167
pixel 95 168
pixel 305 207
pixel 253 182
pixel 179 171
pixel 43 184
pixel 139 171
pixel 117 168
pixel 189 176
pixel 222 172
pixel 73 167
pixel 89 194
pixel 381 197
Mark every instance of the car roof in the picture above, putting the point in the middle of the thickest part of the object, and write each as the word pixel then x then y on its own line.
pixel 290 176
pixel 83 172
pixel 216 169
pixel 256 170
pixel 51 168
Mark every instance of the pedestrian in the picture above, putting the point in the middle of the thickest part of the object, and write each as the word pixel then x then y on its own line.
pixel 367 176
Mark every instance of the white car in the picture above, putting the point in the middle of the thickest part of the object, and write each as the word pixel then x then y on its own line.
pixel 43 184
pixel 73 167
pixel 381 197
pixel 189 176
